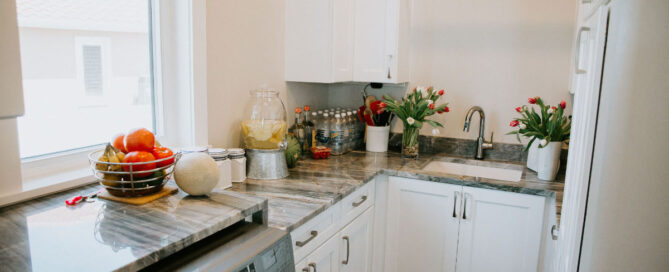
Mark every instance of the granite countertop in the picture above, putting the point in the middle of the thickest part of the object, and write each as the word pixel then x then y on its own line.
pixel 45 235
pixel 315 185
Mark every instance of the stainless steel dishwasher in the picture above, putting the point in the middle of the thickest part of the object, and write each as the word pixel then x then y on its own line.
pixel 243 247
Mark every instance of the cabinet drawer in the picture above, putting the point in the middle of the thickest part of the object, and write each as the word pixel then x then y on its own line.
pixel 357 202
pixel 309 236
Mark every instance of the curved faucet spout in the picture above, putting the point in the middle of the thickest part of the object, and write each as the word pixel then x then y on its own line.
pixel 481 144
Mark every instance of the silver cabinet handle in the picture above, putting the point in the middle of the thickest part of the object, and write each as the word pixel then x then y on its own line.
pixel 586 1
pixel 464 208
pixel 306 269
pixel 303 243
pixel 577 58
pixel 356 204
pixel 348 249
pixel 554 232
pixel 313 265
pixel 455 203
pixel 390 61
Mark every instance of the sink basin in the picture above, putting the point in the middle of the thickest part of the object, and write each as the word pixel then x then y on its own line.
pixel 473 168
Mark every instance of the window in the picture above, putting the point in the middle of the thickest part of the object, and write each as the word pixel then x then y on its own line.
pixel 87 72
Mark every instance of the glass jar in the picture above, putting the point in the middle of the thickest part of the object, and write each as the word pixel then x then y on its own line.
pixel 238 160
pixel 266 126
pixel 224 164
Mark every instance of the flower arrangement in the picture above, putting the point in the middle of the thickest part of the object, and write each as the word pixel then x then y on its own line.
pixel 548 125
pixel 413 111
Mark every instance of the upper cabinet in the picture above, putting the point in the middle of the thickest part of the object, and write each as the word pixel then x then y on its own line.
pixel 331 41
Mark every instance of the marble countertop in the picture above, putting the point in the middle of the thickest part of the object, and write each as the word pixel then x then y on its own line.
pixel 315 185
pixel 45 235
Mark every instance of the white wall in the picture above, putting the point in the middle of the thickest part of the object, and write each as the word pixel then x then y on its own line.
pixel 245 48
pixel 626 221
pixel 494 54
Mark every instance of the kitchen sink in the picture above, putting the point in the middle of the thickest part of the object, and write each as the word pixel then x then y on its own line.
pixel 474 168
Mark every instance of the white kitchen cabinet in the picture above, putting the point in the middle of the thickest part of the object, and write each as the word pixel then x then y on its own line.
pixel 324 259
pixel 442 227
pixel 589 47
pixel 356 244
pixel 319 40
pixel 422 225
pixel 381 51
pixel 500 231
pixel 331 41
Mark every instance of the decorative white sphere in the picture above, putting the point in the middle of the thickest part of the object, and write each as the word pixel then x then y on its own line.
pixel 196 173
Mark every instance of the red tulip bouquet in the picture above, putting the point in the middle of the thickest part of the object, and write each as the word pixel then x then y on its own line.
pixel 547 125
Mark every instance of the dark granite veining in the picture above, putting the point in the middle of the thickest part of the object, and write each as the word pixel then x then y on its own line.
pixel 315 185
pixel 45 235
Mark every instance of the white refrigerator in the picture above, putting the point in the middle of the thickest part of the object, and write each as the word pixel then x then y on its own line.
pixel 626 218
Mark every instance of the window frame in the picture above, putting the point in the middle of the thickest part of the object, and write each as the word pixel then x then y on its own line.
pixel 42 175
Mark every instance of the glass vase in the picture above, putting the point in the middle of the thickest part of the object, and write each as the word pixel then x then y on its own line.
pixel 410 142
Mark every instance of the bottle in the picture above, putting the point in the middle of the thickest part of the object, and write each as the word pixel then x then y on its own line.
pixel 297 129
pixel 314 121
pixel 351 130
pixel 323 130
pixel 308 130
pixel 337 136
pixel 347 133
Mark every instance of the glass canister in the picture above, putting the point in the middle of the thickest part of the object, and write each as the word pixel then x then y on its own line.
pixel 266 125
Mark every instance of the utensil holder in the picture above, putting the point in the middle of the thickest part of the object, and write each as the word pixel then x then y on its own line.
pixel 377 138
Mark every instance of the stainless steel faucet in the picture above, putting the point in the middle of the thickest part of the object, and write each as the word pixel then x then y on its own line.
pixel 481 144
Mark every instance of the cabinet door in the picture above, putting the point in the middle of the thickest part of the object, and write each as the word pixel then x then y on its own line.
pixel 372 53
pixel 500 231
pixel 356 244
pixel 319 40
pixel 422 225
pixel 325 258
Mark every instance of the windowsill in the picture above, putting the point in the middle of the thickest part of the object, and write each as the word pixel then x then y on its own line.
pixel 49 185
pixel 51 174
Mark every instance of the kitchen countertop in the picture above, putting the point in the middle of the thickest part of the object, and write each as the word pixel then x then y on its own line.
pixel 315 185
pixel 45 235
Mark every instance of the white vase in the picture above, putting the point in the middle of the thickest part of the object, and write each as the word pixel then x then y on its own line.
pixel 533 156
pixel 377 138
pixel 549 161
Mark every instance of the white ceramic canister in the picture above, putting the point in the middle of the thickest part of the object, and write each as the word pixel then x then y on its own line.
pixel 220 155
pixel 549 161
pixel 377 138
pixel 238 161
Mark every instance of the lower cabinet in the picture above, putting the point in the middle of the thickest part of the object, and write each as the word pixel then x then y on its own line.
pixel 500 231
pixel 324 259
pixel 348 250
pixel 421 229
pixel 443 227
pixel 356 243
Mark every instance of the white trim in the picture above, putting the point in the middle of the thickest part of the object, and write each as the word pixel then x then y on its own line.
pixel 183 58
pixel 586 102
pixel 199 71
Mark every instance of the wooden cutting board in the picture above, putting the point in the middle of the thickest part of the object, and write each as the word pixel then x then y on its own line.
pixel 140 200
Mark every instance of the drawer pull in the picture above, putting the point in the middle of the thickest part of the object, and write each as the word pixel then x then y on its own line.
pixel 306 269
pixel 348 249
pixel 303 243
pixel 455 204
pixel 356 204
pixel 313 265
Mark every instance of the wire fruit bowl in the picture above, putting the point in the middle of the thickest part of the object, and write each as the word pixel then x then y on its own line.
pixel 132 183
